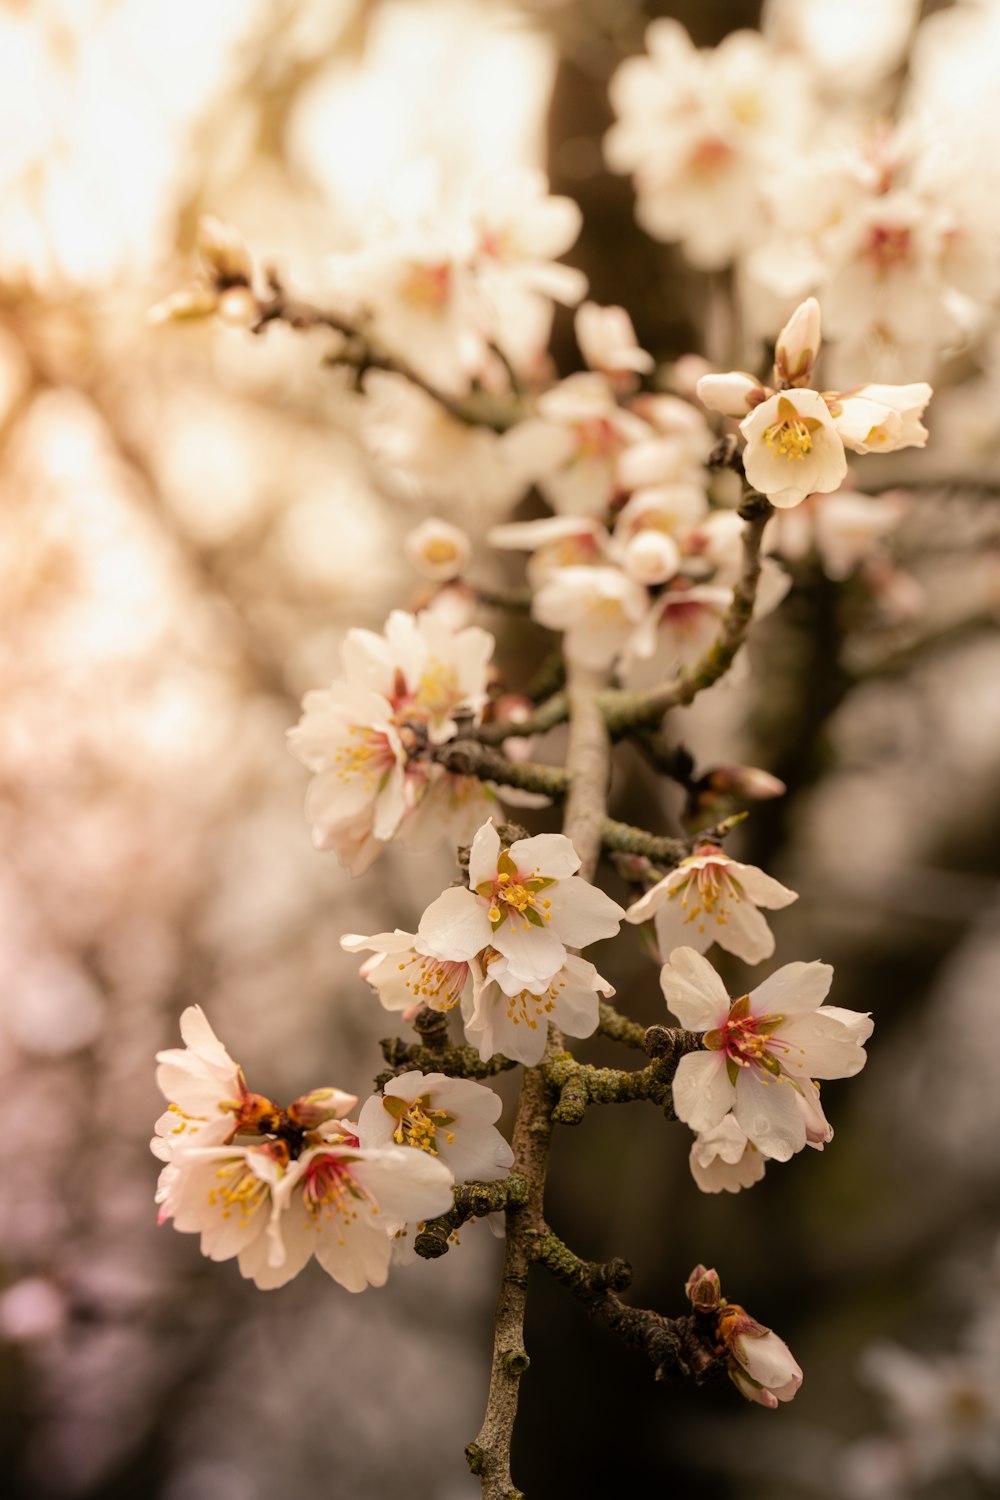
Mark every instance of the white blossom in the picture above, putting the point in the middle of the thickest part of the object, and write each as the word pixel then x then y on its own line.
pixel 793 448
pixel 759 1049
pixel 404 977
pixel 710 898
pixel 452 1119
pixel 525 902
pixel 516 1025
pixel 596 608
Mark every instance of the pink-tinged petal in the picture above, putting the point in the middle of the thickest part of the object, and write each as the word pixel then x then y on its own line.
pixel 821 1047
pixel 744 932
pixel 455 926
pixel 397 941
pixel 762 889
pixel 694 992
pixel 548 854
pixel 796 987
pixel 483 855
pixel 701 1090
pixel 581 913
pixel 766 1109
pixel 858 1023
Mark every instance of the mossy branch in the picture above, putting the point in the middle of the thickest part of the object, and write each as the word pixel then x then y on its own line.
pixel 473 1200
pixel 681 1348
pixel 580 1085
pixel 469 757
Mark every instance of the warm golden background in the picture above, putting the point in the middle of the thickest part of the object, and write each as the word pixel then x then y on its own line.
pixel 187 527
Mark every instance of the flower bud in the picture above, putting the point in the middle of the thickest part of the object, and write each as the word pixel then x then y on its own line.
pixel 761 1365
pixel 703 1289
pixel 224 252
pixel 798 344
pixel 238 307
pixel 746 783
pixel 320 1105
pixel 438 550
pixel 651 557
pixel 735 394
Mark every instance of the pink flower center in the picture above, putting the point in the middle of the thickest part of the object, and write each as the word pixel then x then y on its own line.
pixel 887 245
pixel 330 1191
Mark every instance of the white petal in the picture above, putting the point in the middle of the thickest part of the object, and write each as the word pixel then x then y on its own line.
pixel 455 926
pixel 766 1109
pixel 548 854
pixel 581 913
pixel 822 1047
pixel 483 855
pixel 796 987
pixel 702 1091
pixel 762 889
pixel 694 992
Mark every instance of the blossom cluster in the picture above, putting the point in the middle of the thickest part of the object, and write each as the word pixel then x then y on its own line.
pixel 886 222
pixel 498 948
pixel 274 1187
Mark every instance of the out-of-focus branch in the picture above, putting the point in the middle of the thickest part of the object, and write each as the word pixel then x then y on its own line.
pixel 361 353
pixel 468 757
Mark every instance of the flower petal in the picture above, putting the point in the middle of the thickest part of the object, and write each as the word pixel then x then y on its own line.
pixel 694 992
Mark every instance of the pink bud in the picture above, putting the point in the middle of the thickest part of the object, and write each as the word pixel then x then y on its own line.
pixel 748 783
pixel 320 1105
pixel 703 1289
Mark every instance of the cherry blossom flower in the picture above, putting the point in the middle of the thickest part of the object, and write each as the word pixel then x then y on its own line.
pixel 342 1202
pixel 761 1365
pixel 516 1025
pixel 554 542
pixel 361 737
pixel 452 1119
pixel 573 445
pixel 607 342
pixel 760 1048
pixel 227 1194
pixel 724 1159
pixel 209 1100
pixel 526 903
pixel 793 448
pixel 404 977
pixel 438 550
pixel 710 898
pixel 596 608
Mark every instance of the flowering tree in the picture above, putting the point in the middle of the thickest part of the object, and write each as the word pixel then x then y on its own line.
pixel 645 579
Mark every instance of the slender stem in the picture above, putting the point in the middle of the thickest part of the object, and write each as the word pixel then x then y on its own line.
pixel 553 711
pixel 478 409
pixel 469 757
pixel 588 765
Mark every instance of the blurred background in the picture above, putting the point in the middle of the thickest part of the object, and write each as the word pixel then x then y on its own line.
pixel 189 523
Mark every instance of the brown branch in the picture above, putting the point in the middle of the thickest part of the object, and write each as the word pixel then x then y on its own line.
pixel 588 767
pixel 473 1200
pixel 361 353
pixel 579 1084
pixel 678 1348
pixel 469 757
pixel 553 711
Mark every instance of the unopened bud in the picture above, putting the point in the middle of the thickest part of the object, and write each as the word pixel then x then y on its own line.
pixel 224 252
pixel 761 1365
pixel 188 302
pixel 238 307
pixel 651 557
pixel 734 394
pixel 320 1105
pixel 703 1289
pixel 798 344
pixel 438 550
pixel 746 783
